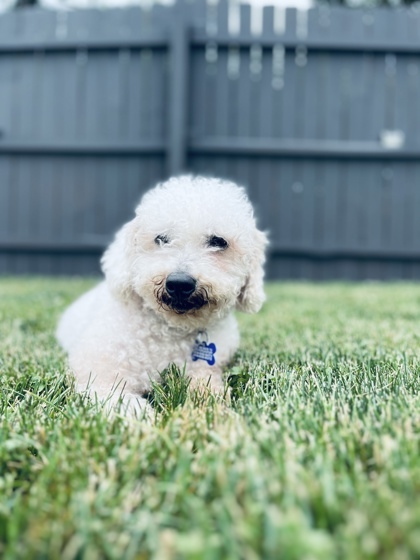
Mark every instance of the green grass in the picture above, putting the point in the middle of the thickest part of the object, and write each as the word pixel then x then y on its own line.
pixel 316 456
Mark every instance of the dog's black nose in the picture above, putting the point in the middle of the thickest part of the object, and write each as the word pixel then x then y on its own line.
pixel 180 285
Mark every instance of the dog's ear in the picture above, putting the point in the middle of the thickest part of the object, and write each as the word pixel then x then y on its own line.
pixel 252 294
pixel 116 261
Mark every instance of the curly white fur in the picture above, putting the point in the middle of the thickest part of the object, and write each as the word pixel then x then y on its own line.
pixel 121 334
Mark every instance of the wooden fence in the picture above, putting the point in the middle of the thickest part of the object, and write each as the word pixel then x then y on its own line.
pixel 317 113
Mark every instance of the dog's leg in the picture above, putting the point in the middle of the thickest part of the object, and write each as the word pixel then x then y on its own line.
pixel 129 405
pixel 206 376
pixel 115 400
pixel 103 379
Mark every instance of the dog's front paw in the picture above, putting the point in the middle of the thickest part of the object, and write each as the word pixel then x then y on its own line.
pixel 213 383
pixel 130 405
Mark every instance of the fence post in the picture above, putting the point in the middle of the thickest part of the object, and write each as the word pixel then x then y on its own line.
pixel 178 90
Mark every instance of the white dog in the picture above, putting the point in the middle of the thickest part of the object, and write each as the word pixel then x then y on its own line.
pixel 173 277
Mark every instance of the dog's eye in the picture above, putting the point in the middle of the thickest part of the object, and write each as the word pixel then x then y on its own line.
pixel 161 240
pixel 217 242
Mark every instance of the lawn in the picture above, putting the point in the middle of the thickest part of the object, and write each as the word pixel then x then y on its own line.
pixel 316 457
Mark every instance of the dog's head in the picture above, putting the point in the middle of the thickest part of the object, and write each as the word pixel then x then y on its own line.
pixel 193 252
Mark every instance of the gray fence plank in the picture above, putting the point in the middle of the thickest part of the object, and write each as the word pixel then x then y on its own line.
pixel 265 114
pixel 288 108
pixel 330 214
pixel 291 25
pixel 7 93
pixel 5 194
pixel 223 17
pixel 412 101
pixel 179 99
pixel 245 20
pixel 197 92
pixel 92 96
pixel 306 214
pixel 221 94
pixel 415 174
pixel 161 81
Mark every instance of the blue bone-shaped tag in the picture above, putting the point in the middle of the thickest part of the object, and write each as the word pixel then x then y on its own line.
pixel 204 351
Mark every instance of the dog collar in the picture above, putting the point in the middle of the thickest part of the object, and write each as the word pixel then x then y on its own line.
pixel 202 350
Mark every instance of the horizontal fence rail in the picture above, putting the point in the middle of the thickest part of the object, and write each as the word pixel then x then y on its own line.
pixel 144 147
pixel 316 113
pixel 300 148
pixel 215 146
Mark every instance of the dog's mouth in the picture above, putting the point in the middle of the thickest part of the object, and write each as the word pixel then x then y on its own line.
pixel 181 305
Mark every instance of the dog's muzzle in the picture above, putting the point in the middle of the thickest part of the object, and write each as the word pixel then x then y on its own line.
pixel 180 293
